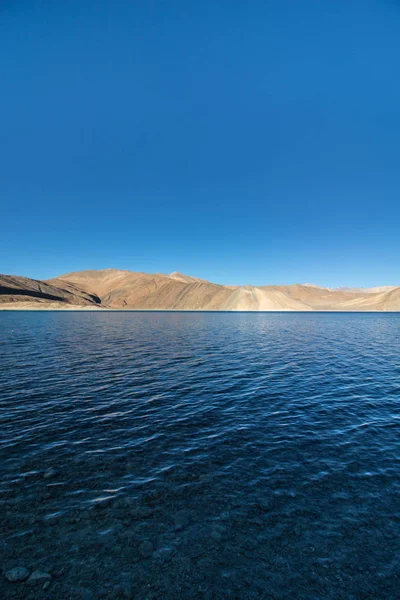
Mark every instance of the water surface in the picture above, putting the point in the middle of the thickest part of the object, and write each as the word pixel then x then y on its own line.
pixel 201 455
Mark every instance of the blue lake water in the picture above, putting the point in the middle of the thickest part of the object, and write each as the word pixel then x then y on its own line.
pixel 201 455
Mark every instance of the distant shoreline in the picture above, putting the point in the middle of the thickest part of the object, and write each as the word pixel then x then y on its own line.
pixel 90 309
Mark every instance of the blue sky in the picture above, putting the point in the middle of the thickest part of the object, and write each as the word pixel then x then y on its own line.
pixel 243 142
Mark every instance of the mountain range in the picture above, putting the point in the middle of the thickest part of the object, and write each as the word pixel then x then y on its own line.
pixel 121 289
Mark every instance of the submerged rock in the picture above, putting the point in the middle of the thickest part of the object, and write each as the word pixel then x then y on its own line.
pixel 266 504
pixel 39 577
pixel 81 593
pixel 146 549
pixel 181 520
pixel 216 536
pixel 141 512
pixel 17 574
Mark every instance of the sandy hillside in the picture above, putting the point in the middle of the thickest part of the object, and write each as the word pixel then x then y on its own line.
pixel 126 289
pixel 122 289
pixel 15 289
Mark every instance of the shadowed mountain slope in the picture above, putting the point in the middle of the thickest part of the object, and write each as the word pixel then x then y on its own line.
pixel 22 289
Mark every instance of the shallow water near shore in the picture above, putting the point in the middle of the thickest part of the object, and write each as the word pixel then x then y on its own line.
pixel 200 455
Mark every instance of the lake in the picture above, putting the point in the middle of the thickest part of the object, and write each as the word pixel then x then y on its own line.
pixel 200 455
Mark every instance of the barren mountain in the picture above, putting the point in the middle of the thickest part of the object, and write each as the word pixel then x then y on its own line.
pixel 116 289
pixel 373 290
pixel 15 289
pixel 126 289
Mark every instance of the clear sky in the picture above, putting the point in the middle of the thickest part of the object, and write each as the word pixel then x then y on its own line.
pixel 240 141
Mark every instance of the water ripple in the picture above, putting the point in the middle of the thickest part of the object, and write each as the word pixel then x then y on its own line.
pixel 258 454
